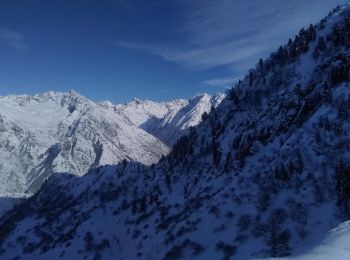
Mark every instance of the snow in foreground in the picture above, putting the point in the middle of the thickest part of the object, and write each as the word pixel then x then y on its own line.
pixel 335 246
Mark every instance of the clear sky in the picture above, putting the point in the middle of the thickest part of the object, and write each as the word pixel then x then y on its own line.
pixel 151 49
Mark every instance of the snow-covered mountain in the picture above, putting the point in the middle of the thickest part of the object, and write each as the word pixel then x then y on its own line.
pixel 167 120
pixel 65 132
pixel 265 174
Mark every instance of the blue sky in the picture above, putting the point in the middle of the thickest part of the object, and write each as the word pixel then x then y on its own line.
pixel 150 49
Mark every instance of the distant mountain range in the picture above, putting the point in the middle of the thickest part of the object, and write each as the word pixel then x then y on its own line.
pixel 66 132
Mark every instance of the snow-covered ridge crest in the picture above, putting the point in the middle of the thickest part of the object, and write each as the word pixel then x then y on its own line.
pixel 167 120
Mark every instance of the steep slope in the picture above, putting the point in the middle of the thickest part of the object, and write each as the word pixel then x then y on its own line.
pixel 264 174
pixel 176 124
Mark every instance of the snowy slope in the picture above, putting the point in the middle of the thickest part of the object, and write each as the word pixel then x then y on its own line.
pixel 266 173
pixel 335 246
pixel 177 123
pixel 167 120
pixel 7 201
pixel 65 132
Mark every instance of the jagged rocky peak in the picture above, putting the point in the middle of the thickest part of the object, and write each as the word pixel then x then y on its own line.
pixel 106 104
pixel 74 100
pixel 138 101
